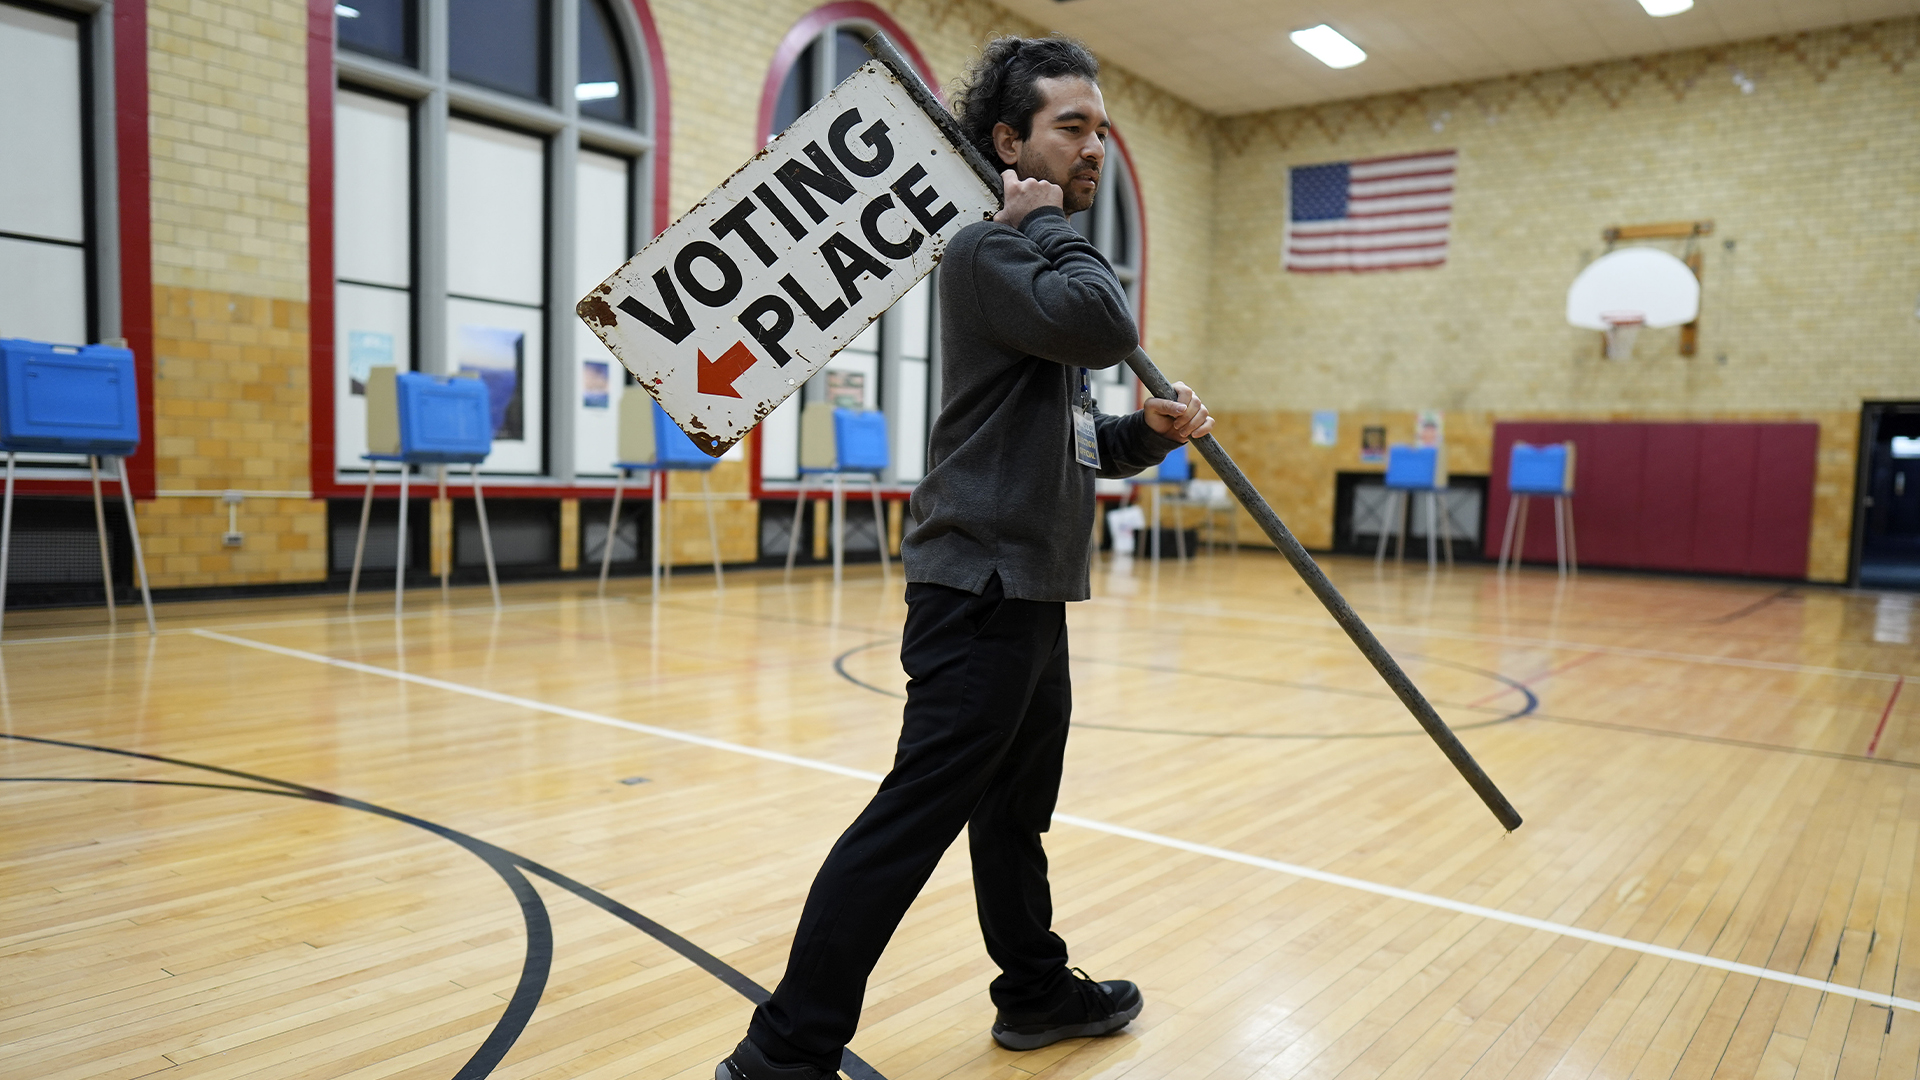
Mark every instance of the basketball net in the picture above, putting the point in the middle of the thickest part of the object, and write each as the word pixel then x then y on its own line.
pixel 1622 326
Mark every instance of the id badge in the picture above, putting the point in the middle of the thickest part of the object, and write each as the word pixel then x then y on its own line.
pixel 1086 440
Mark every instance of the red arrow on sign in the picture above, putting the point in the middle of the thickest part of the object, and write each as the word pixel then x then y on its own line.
pixel 716 376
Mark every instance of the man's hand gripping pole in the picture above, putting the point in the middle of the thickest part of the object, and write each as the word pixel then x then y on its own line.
pixel 889 54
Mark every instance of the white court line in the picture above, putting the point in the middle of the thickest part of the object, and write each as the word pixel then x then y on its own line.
pixel 1360 884
pixel 1503 639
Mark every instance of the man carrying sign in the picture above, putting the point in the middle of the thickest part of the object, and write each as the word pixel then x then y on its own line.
pixel 997 546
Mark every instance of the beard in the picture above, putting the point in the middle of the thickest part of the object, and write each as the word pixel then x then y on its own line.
pixel 1032 167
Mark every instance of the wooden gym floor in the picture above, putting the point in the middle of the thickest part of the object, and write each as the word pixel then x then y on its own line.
pixel 278 841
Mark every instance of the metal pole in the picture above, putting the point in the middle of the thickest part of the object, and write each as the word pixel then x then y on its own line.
pixel 613 525
pixel 400 546
pixel 486 533
pixel 360 544
pixel 139 557
pixel 1223 466
pixel 100 520
pixel 6 536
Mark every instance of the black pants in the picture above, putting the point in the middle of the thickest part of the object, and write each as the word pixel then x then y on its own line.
pixel 981 742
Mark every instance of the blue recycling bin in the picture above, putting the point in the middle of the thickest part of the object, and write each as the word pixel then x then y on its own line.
pixel 443 421
pixel 72 399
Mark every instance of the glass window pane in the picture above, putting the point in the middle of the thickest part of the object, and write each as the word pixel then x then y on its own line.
pixel 500 44
pixel 849 52
pixel 43 291
pixel 40 126
pixel 501 345
pixel 797 92
pixel 602 199
pixel 382 28
pixel 373 328
pixel 605 90
pixel 496 213
pixel 372 163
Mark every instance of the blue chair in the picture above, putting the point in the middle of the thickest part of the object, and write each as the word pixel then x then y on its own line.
pixel 837 443
pixel 1540 472
pixel 651 442
pixel 72 399
pixel 1413 469
pixel 1173 469
pixel 441 421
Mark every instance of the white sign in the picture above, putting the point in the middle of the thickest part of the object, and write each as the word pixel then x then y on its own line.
pixel 726 313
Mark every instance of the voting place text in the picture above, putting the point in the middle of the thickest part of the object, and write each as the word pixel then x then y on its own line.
pixel 726 313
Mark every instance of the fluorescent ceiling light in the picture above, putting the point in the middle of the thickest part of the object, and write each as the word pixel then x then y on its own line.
pixel 1904 447
pixel 1328 46
pixel 346 12
pixel 1660 9
pixel 595 91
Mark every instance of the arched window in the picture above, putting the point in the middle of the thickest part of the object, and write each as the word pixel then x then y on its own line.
pixel 893 366
pixel 479 190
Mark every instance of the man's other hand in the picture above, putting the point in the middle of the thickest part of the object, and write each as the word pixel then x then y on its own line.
pixel 1180 420
pixel 1023 197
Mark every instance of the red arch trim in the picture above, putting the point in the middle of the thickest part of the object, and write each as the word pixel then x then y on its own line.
pixel 807 29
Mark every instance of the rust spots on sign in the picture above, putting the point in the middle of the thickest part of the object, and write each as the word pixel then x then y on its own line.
pixel 594 309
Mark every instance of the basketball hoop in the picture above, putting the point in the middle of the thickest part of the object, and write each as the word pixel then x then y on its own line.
pixel 1621 328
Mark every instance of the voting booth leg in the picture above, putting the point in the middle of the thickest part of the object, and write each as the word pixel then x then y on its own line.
pixel 1180 533
pixel 793 533
pixel 100 526
pixel 1446 527
pixel 880 527
pixel 1573 548
pixel 139 556
pixel 6 538
pixel 1154 528
pixel 1386 521
pixel 486 534
pixel 360 543
pixel 657 483
pixel 400 552
pixel 839 527
pixel 446 557
pixel 1506 538
pixel 713 532
pixel 613 525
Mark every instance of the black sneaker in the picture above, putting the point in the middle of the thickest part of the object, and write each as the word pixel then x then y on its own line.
pixel 1096 1008
pixel 748 1063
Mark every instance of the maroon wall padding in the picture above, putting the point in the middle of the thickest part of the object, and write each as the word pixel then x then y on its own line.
pixel 1703 498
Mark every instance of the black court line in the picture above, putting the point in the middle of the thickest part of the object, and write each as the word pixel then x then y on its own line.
pixel 1532 703
pixel 533 911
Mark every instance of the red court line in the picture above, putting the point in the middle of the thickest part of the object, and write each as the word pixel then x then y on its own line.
pixel 1568 666
pixel 1886 712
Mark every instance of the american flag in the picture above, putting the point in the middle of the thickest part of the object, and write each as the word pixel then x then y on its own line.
pixel 1386 213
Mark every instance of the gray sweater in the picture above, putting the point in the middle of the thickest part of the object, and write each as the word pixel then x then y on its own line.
pixel 1021 311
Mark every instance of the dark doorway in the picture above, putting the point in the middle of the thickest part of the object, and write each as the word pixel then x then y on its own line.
pixel 1886 527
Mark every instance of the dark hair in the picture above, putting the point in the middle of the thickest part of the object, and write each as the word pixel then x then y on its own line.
pixel 1000 86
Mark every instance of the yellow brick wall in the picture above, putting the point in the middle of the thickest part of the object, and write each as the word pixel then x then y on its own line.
pixel 228 130
pixel 1813 179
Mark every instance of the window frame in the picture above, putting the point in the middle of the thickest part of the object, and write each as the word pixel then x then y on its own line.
pixel 435 98
pixel 118 225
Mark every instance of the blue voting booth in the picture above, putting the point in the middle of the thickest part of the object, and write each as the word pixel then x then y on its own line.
pixel 442 421
pixel 1415 470
pixel 72 399
pixel 856 443
pixel 1540 472
pixel 1175 469
pixel 652 443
